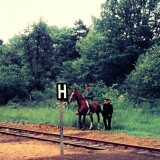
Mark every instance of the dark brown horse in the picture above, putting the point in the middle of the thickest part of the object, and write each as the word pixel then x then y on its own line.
pixel 83 109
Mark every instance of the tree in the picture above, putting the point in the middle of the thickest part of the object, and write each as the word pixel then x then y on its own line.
pixel 13 72
pixel 12 53
pixel 38 54
pixel 1 42
pixel 129 30
pixel 92 52
pixel 64 44
pixel 13 83
pixel 80 30
pixel 86 69
pixel 64 41
pixel 144 82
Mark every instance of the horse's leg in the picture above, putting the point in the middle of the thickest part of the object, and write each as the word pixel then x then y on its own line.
pixel 84 120
pixel 98 119
pixel 91 123
pixel 80 123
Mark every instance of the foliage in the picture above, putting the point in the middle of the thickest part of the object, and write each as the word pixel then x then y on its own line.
pixel 92 57
pixel 86 69
pixel 40 96
pixel 80 30
pixel 129 28
pixel 64 44
pixel 1 42
pixel 99 89
pixel 66 50
pixel 64 47
pixel 144 82
pixel 38 55
pixel 112 93
pixel 104 55
pixel 11 53
pixel 13 83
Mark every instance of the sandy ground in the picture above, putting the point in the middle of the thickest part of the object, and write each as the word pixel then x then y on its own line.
pixel 15 148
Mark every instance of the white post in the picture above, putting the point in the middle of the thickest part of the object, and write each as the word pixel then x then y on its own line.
pixel 62 95
pixel 61 127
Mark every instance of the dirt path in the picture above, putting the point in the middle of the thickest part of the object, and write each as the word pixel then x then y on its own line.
pixel 15 148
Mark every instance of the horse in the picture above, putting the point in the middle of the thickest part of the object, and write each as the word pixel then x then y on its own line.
pixel 83 109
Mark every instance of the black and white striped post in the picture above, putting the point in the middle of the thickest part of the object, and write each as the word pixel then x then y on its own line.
pixel 62 95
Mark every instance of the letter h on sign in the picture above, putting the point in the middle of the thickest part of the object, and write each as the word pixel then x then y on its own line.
pixel 62 91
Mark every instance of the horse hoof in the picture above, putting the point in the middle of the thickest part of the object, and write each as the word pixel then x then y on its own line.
pixel 98 128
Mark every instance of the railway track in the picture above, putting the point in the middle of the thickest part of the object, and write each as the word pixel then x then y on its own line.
pixel 76 141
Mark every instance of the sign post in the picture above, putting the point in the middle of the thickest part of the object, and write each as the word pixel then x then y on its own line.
pixel 61 127
pixel 62 95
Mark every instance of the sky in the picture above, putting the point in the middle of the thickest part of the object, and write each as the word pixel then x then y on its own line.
pixel 16 15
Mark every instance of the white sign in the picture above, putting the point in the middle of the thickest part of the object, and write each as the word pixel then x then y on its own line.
pixel 62 91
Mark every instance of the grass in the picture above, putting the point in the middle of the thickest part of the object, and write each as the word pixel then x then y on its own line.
pixel 137 121
pixel 126 118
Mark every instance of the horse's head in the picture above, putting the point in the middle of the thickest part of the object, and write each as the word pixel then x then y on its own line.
pixel 73 96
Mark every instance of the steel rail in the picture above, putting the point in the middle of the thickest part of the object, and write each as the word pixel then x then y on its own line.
pixel 72 140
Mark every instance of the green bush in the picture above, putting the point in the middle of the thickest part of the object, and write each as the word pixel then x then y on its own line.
pixel 143 83
pixel 38 96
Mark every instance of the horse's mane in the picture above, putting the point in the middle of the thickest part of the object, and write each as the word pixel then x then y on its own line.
pixel 79 95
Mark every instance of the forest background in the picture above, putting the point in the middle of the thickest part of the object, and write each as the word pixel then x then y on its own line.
pixel 119 56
